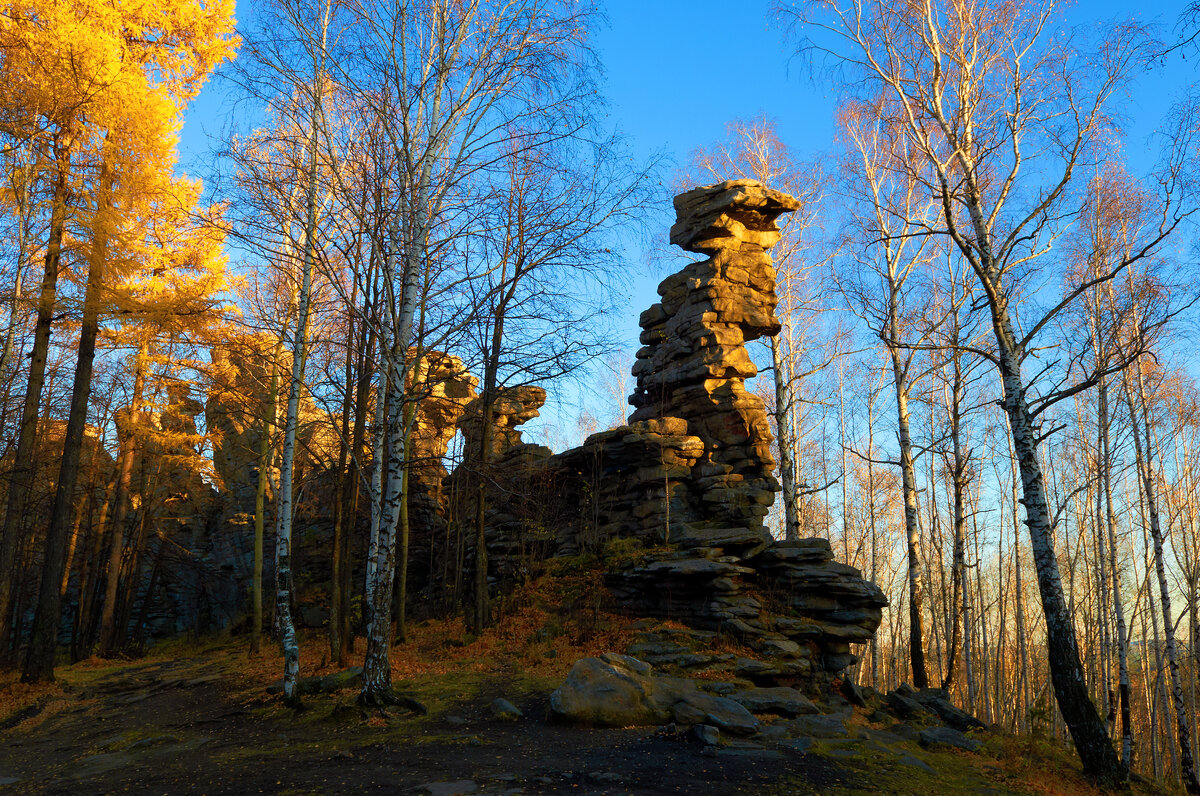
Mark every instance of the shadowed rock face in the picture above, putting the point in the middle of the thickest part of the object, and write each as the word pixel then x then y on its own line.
pixel 514 476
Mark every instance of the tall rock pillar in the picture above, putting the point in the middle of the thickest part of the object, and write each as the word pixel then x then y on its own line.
pixel 694 363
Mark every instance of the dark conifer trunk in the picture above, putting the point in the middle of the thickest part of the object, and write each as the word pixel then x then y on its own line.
pixel 21 481
pixel 39 662
pixel 108 635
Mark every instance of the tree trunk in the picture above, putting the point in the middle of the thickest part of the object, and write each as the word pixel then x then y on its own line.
pixel 1066 671
pixel 350 501
pixel 1123 686
pixel 39 661
pixel 266 449
pixel 108 634
pixel 377 668
pixel 1144 454
pixel 787 445
pixel 340 531
pixel 958 567
pixel 482 613
pixel 285 509
pixel 81 643
pixel 381 564
pixel 912 529
pixel 401 600
pixel 21 480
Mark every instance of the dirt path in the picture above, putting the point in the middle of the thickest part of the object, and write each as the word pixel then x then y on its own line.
pixel 200 726
pixel 183 727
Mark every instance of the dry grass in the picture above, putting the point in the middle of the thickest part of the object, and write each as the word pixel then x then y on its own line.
pixel 541 629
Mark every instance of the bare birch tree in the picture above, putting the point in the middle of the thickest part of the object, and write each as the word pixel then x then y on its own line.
pixel 890 218
pixel 979 90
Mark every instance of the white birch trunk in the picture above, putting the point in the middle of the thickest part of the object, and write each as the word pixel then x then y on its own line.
pixel 1123 683
pixel 1143 453
pixel 286 508
pixel 377 670
pixel 1066 670
pixel 908 478
pixel 784 410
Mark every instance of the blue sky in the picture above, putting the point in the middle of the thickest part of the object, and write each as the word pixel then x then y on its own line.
pixel 677 72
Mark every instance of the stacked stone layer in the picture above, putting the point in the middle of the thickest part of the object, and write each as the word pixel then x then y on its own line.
pixel 694 364
pixel 690 478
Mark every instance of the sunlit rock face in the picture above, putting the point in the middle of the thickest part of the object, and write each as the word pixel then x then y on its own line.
pixel 445 389
pixel 691 476
pixel 513 407
pixel 694 363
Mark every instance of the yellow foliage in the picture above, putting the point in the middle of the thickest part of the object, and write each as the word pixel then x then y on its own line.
pixel 108 80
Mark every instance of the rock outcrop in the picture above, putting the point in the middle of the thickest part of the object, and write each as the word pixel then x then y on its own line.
pixel 694 362
pixel 686 486
pixel 691 476
pixel 447 390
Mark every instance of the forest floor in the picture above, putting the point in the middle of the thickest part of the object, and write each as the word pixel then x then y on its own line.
pixel 197 718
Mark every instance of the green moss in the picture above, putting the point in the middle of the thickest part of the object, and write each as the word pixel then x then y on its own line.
pixel 571 565
pixel 621 551
pixel 438 692
pixel 869 770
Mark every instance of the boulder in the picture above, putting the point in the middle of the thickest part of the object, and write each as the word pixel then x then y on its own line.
pixel 948 736
pixel 618 691
pixel 504 710
pixel 781 701
pixel 607 694
pixel 695 707
pixel 906 707
pixel 937 700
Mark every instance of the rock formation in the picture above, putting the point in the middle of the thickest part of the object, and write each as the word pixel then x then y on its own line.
pixel 690 477
pixel 694 363
pixel 676 500
pixel 448 389
pixel 514 486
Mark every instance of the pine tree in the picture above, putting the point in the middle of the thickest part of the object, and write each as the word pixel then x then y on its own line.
pixel 121 76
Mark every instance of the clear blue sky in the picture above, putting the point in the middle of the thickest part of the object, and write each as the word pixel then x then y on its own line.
pixel 678 71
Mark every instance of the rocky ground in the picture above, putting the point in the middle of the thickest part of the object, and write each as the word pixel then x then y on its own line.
pixel 201 720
